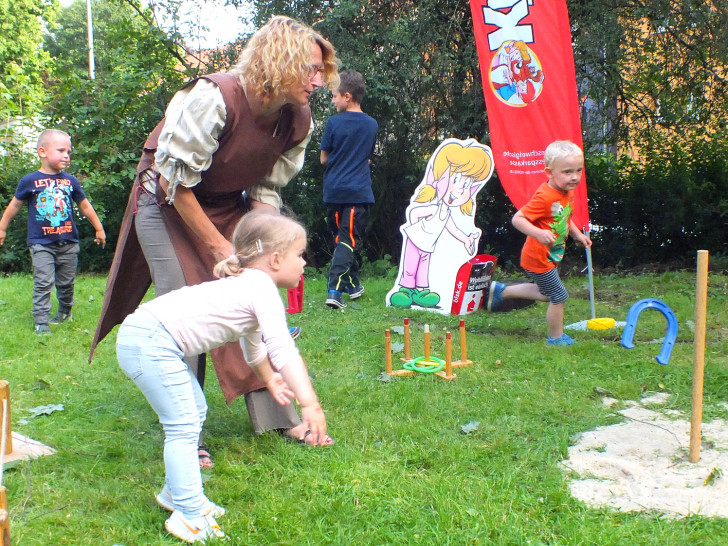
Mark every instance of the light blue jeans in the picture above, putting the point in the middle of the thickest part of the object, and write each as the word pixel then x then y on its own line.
pixel 151 358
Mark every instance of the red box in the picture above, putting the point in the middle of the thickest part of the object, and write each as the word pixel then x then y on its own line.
pixel 472 284
pixel 295 298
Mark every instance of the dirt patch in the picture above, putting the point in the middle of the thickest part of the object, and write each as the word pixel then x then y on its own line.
pixel 643 465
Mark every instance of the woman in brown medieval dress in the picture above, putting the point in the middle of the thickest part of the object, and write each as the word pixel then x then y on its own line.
pixel 227 144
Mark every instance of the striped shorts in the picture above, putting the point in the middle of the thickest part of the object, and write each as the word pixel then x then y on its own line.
pixel 550 285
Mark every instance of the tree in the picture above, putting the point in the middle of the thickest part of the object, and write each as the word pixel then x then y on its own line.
pixel 653 76
pixel 24 66
pixel 138 69
pixel 656 72
pixel 423 85
pixel 23 62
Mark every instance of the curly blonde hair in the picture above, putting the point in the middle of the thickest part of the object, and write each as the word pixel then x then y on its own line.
pixel 278 56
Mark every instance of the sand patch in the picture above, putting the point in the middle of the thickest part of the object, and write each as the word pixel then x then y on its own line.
pixel 642 464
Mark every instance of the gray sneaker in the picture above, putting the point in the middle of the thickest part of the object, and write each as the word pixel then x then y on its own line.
pixel 42 329
pixel 61 316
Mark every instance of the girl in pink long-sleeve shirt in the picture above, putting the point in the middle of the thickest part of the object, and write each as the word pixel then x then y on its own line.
pixel 243 304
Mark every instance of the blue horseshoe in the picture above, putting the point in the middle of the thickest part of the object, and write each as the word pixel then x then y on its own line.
pixel 670 337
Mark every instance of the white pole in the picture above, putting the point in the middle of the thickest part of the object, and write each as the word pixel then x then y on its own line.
pixel 591 277
pixel 91 67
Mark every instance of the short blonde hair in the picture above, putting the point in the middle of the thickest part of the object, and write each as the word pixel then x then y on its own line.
pixel 560 149
pixel 259 232
pixel 49 134
pixel 278 56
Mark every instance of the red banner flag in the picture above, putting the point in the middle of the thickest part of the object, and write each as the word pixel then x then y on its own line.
pixel 529 82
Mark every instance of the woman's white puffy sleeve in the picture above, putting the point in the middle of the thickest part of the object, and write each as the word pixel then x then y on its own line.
pixel 194 120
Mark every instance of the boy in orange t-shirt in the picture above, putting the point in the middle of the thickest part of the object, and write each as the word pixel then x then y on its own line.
pixel 546 220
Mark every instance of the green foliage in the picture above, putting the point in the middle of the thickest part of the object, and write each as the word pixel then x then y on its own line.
pixel 652 75
pixel 661 210
pixel 23 62
pixel 401 470
pixel 653 70
pixel 423 85
pixel 110 117
pixel 15 164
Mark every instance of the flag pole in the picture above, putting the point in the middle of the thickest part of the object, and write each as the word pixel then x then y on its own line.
pixel 90 33
pixel 591 276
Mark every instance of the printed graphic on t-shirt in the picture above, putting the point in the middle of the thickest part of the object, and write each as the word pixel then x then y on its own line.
pixel 53 205
pixel 560 228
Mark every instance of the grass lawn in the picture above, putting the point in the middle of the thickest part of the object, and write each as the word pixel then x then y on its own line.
pixel 401 471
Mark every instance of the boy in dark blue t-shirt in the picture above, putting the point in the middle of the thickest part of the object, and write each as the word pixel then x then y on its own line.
pixel 346 147
pixel 52 233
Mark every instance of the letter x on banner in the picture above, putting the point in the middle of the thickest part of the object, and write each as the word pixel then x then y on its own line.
pixel 529 82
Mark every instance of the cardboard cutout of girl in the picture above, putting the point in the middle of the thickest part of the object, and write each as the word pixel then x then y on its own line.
pixel 440 233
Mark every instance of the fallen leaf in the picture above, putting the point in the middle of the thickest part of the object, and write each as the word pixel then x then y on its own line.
pixel 45 410
pixel 40 384
pixel 467 428
pixel 398 330
pixel 714 475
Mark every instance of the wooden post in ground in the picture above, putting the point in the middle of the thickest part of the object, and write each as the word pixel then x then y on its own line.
pixel 448 355
pixel 7 436
pixel 388 357
pixel 427 343
pixel 447 374
pixel 701 303
pixel 4 518
pixel 5 397
pixel 463 349
pixel 407 351
pixel 388 352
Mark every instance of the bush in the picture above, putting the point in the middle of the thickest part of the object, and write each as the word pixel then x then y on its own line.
pixel 663 209
pixel 15 164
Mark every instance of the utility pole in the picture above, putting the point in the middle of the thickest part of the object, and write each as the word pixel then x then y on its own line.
pixel 91 66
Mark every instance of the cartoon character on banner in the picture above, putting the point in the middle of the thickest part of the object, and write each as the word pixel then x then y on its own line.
pixel 516 74
pixel 440 233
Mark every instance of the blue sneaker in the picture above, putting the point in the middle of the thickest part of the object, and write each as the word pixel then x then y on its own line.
pixel 295 331
pixel 563 340
pixel 334 300
pixel 495 295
